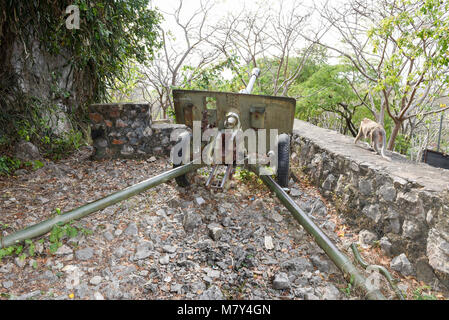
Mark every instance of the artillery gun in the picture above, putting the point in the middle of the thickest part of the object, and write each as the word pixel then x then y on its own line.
pixel 265 121
pixel 229 114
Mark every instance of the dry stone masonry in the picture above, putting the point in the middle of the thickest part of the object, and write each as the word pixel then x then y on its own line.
pixel 405 204
pixel 125 130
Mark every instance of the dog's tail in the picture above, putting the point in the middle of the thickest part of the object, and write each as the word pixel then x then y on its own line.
pixel 384 144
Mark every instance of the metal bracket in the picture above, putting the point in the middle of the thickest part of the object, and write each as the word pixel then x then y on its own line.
pixel 223 184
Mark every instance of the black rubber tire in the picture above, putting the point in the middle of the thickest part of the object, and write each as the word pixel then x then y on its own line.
pixel 283 172
pixel 183 181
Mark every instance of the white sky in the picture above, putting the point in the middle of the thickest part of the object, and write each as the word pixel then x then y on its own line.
pixel 223 7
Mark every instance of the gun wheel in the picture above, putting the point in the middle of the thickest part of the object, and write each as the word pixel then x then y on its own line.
pixel 283 170
pixel 185 180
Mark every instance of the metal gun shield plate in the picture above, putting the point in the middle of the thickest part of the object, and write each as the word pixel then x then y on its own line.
pixel 255 111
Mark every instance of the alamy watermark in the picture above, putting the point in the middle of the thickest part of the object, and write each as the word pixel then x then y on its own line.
pixel 73 20
pixel 226 147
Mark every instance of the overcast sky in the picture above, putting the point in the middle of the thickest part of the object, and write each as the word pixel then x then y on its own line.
pixel 223 7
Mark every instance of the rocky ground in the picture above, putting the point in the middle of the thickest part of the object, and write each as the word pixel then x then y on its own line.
pixel 170 242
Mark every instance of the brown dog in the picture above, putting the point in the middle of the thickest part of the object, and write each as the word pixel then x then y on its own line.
pixel 376 133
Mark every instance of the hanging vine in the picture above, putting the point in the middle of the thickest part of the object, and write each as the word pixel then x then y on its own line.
pixel 111 35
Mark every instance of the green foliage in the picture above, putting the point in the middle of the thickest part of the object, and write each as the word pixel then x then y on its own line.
pixel 211 78
pixel 418 31
pixel 273 69
pixel 349 287
pixel 402 144
pixel 113 36
pixel 419 295
pixel 58 232
pixel 110 34
pixel 244 174
pixel 8 165
pixel 126 85
pixel 8 251
pixel 329 90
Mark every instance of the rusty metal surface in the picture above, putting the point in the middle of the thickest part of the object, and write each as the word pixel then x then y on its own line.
pixel 255 111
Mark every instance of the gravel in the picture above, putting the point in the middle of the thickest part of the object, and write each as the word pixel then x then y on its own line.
pixel 169 242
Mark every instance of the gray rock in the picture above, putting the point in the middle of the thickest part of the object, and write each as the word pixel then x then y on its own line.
pixel 276 217
pixel 395 226
pixel 215 231
pixel 30 295
pixel 402 265
pixel 295 192
pixel 144 250
pixel 191 221
pixel 84 254
pixel 367 238
pixel 119 252
pixel 127 150
pixel 213 293
pixel 164 259
pixel 310 296
pixel 161 213
pixel 200 200
pixel 169 249
pixel 410 230
pixel 6 268
pixel 365 187
pixel 108 236
pixel 385 245
pixel 268 242
pixel 321 263
pixel 319 208
pixel 388 193
pixel 7 284
pixel 213 274
pixel 328 184
pixel 96 280
pixel 444 246
pixel 63 250
pixel 113 291
pixel 226 221
pixel 20 262
pixel 430 217
pixel 297 266
pixel 98 296
pixel 82 290
pixel 281 281
pixel 330 292
pixel 26 151
pixel 372 212
pixel 131 230
pixel 49 276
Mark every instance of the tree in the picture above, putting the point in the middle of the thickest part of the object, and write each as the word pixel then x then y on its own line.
pixel 329 90
pixel 417 71
pixel 400 49
pixel 166 70
pixel 267 36
pixel 48 70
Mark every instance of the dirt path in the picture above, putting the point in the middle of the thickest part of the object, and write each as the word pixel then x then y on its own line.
pixel 168 242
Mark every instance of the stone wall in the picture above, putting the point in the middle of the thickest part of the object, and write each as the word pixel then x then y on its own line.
pixel 125 130
pixel 405 204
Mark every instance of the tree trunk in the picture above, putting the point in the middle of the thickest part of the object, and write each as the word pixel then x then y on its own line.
pixel 394 134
